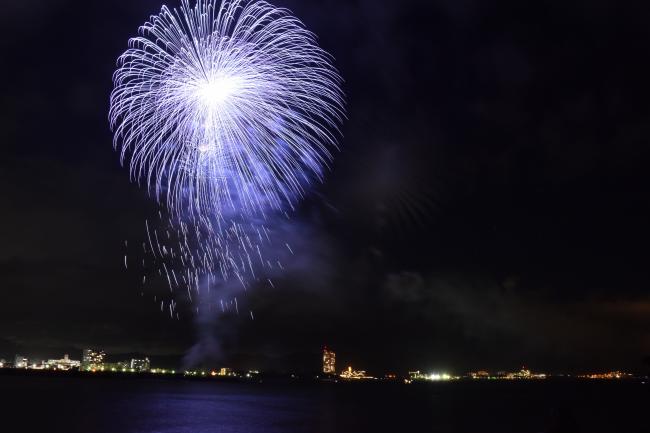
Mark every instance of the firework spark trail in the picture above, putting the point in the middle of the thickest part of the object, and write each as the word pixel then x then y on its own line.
pixel 226 112
pixel 205 260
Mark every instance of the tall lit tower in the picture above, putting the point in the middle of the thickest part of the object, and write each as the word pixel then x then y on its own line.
pixel 92 359
pixel 329 361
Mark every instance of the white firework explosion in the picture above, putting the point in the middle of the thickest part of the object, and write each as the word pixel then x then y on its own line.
pixel 225 104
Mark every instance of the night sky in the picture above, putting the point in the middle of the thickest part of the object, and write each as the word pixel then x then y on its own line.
pixel 488 207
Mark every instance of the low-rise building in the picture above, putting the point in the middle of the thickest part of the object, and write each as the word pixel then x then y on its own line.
pixel 62 364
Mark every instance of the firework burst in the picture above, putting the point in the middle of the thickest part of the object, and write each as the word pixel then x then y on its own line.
pixel 225 105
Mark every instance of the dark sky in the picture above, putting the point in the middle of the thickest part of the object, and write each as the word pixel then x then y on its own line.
pixel 488 207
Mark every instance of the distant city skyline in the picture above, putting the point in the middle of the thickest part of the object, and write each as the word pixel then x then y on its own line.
pixel 94 360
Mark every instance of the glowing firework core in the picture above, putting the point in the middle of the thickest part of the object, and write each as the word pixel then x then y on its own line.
pixel 215 91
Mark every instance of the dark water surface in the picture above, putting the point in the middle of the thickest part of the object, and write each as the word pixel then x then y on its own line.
pixel 122 405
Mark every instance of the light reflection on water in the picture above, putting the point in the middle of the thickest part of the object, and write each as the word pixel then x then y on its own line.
pixel 140 405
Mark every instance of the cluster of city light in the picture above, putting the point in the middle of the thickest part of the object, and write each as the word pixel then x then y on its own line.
pixel 524 374
pixel 162 371
pixel 608 375
pixel 434 377
pixel 21 361
pixel 329 371
pixel 439 376
pixel 329 368
pixel 222 372
pixel 94 362
pixel 349 373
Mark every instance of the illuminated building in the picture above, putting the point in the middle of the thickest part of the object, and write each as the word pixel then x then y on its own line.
pixel 21 362
pixel 329 361
pixel 224 371
pixel 140 365
pixel 354 374
pixel 93 359
pixel 62 364
pixel 3 363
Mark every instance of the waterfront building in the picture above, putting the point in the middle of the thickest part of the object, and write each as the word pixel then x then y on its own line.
pixel 62 364
pixel 92 359
pixel 329 361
